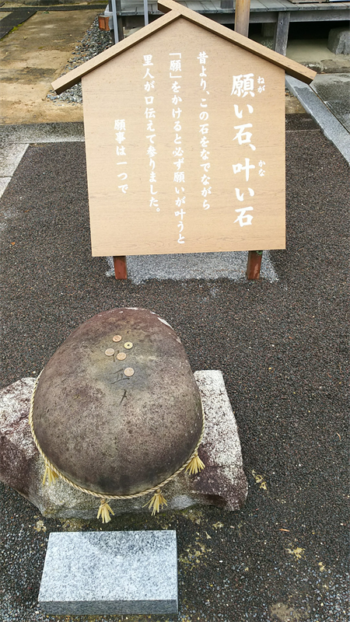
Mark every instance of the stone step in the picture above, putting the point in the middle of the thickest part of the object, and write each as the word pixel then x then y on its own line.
pixel 92 573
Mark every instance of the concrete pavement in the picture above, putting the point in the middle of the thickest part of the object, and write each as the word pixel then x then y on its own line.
pixel 31 57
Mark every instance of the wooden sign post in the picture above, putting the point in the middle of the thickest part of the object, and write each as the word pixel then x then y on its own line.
pixel 184 128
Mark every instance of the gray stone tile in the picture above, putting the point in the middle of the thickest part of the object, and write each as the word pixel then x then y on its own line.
pixel 4 182
pixel 10 157
pixel 131 572
pixel 334 90
pixel 42 133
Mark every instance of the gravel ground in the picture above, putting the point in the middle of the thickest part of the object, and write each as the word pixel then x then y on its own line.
pixel 282 347
pixel 95 41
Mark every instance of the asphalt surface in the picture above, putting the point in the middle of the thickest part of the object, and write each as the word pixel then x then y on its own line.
pixel 282 347
pixel 14 19
pixel 18 15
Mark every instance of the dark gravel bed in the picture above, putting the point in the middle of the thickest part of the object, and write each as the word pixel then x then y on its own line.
pixel 283 350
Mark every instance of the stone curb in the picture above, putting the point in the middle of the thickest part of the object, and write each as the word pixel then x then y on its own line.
pixel 330 126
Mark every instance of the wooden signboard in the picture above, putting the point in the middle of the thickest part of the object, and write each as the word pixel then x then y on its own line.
pixel 184 132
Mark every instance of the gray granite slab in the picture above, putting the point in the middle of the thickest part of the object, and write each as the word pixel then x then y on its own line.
pixel 130 572
pixel 334 90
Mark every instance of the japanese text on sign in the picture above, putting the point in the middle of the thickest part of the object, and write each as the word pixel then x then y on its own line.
pixel 175 74
pixel 150 116
pixel 204 131
pixel 120 129
pixel 243 86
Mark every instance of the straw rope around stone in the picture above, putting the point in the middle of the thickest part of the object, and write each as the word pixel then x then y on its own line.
pixel 193 465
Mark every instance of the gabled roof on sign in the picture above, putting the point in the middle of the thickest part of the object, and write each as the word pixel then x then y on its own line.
pixel 173 11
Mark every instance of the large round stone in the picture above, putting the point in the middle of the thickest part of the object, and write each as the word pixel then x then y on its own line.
pixel 113 433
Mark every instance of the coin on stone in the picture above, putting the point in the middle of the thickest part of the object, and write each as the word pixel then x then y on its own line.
pixel 128 345
pixel 109 352
pixel 117 338
pixel 121 356
pixel 129 371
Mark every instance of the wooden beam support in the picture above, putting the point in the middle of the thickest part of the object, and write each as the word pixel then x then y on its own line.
pixel 281 33
pixel 242 13
pixel 254 265
pixel 120 267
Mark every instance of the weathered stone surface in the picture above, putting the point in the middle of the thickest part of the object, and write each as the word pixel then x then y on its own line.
pixel 18 454
pixel 220 450
pixel 339 40
pixel 222 482
pixel 113 433
pixel 110 573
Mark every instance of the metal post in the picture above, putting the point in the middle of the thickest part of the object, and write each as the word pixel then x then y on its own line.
pixel 115 21
pixel 145 11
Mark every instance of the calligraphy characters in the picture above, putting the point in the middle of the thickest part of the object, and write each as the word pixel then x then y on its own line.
pixel 175 74
pixel 120 129
pixel 150 116
pixel 204 131
pixel 243 90
pixel 247 163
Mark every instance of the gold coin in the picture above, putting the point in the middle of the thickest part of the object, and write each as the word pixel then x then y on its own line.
pixel 121 356
pixel 109 352
pixel 129 371
pixel 117 338
pixel 128 345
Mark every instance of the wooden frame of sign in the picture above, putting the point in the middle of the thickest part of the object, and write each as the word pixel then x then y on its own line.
pixel 184 128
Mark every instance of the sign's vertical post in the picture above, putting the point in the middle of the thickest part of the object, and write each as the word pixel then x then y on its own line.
pixel 242 13
pixel 253 265
pixel 120 267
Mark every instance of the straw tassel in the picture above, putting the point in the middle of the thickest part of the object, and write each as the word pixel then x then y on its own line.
pixel 156 502
pixel 49 475
pixel 196 465
pixel 104 511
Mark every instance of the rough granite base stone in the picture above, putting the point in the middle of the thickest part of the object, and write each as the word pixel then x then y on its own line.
pixel 132 572
pixel 222 483
pixel 339 40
